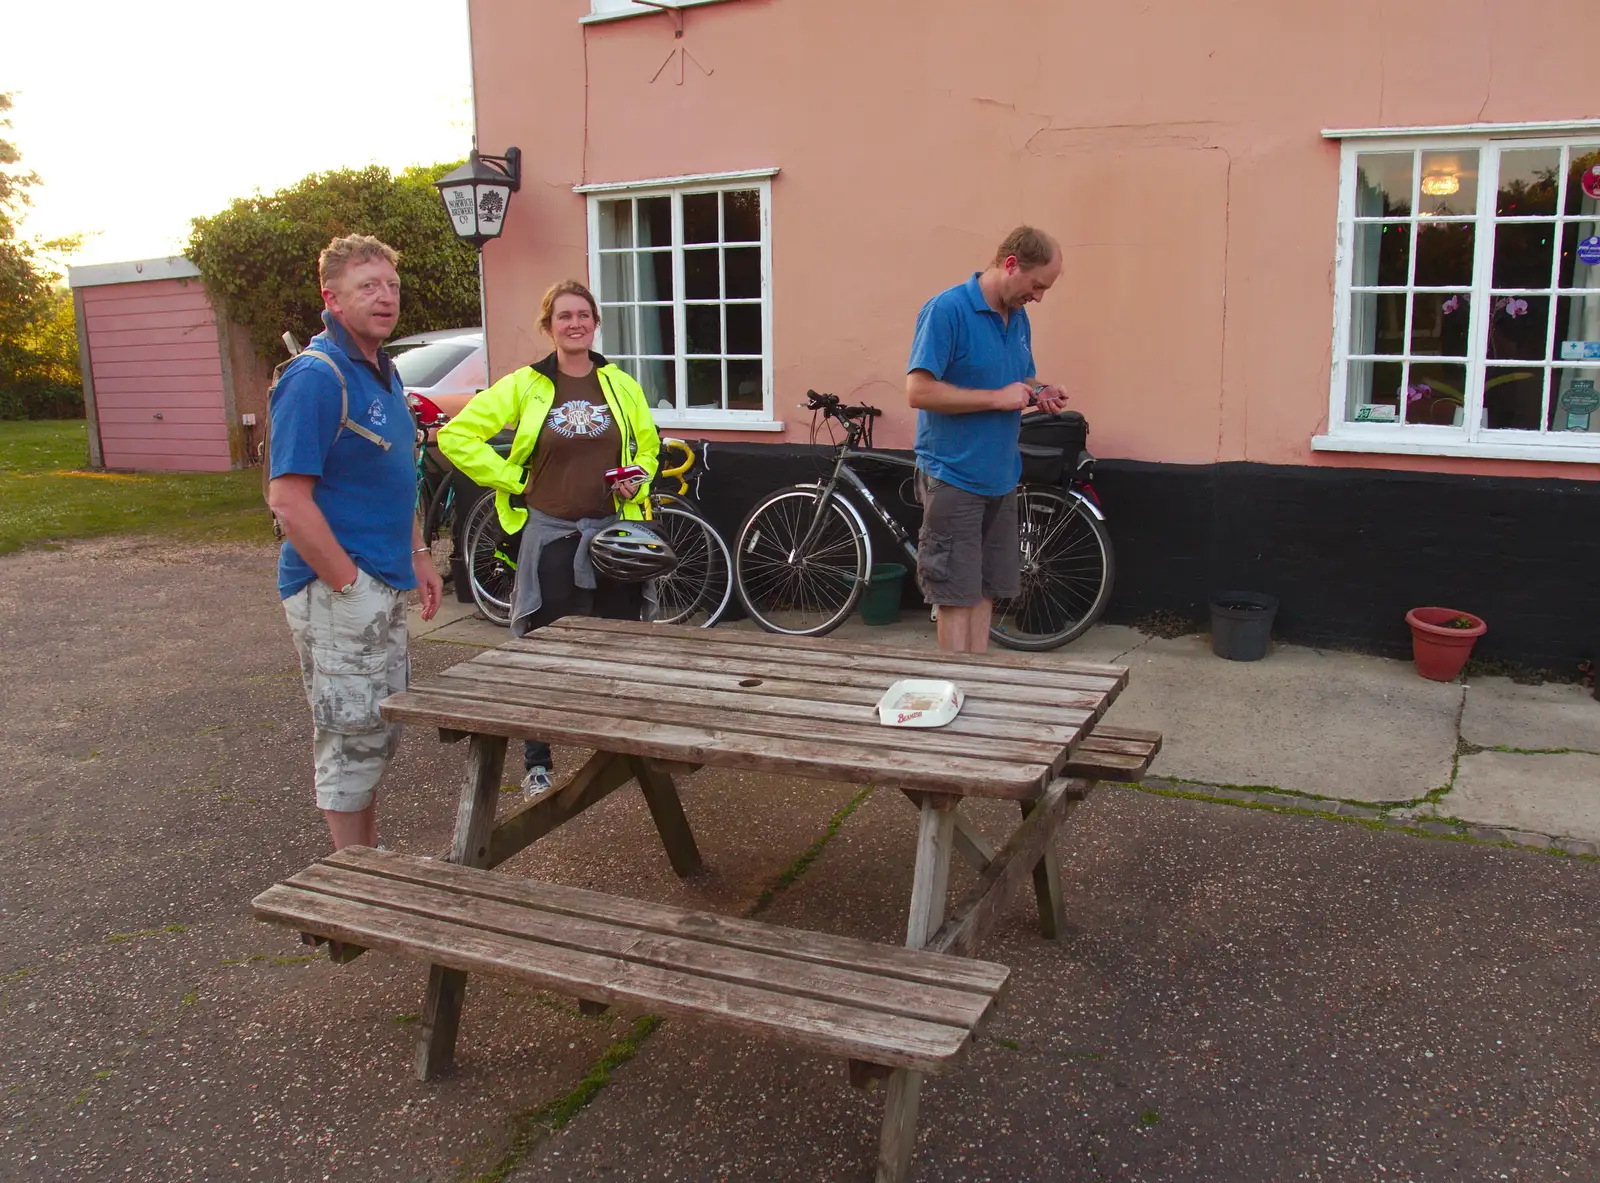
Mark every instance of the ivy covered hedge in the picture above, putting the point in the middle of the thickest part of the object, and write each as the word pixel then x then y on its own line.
pixel 260 254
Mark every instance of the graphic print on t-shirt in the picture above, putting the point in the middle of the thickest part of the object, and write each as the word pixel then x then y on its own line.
pixel 375 414
pixel 580 417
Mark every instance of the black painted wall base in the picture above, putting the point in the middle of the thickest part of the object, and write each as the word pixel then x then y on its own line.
pixel 1346 551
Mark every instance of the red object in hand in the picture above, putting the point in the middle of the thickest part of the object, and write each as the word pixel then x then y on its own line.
pixel 628 472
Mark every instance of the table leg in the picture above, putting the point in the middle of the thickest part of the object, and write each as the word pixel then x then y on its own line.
pixel 935 830
pixel 661 795
pixel 899 1126
pixel 1047 885
pixel 441 1009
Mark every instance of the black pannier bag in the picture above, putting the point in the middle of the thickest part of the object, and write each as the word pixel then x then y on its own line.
pixel 1053 446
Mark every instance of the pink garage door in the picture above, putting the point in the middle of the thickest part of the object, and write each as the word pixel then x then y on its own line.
pixel 157 376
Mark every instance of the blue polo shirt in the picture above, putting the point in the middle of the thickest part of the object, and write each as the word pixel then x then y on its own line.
pixel 962 341
pixel 367 493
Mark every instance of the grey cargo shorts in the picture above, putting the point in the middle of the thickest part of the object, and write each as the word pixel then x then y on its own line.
pixel 352 656
pixel 967 550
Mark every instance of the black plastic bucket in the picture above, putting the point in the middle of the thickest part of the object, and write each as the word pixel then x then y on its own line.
pixel 1241 624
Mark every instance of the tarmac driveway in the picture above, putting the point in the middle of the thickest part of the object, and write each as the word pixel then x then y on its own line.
pixel 1243 996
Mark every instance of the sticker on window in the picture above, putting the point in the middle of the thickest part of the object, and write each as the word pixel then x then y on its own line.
pixel 1580 351
pixel 1377 413
pixel 1589 250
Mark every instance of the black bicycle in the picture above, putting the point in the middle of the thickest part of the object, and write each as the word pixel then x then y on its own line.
pixel 804 554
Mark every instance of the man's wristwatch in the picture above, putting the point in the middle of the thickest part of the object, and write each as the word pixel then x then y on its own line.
pixel 422 550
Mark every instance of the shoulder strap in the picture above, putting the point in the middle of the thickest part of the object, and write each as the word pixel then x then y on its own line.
pixel 344 402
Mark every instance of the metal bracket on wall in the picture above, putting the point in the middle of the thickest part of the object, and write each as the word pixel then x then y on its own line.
pixel 675 10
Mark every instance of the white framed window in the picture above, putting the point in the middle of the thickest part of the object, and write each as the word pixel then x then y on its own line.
pixel 682 268
pixel 1468 296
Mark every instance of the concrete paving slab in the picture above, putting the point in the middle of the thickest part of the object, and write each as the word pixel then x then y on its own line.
pixel 1500 713
pixel 1545 794
pixel 1335 724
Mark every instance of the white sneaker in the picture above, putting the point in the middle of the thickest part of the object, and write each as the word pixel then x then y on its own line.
pixel 537 779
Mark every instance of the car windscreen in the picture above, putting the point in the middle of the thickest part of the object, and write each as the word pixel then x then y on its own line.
pixel 425 365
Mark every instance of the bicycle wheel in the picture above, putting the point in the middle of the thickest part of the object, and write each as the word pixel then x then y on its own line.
pixel 784 591
pixel 700 586
pixel 491 561
pixel 441 513
pixel 1067 569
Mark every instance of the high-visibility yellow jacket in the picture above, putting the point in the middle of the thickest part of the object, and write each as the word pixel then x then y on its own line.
pixel 524 398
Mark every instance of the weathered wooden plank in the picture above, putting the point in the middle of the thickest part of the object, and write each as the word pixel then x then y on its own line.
pixel 680 953
pixel 931 878
pixel 1047 718
pixel 899 1135
pixel 923 663
pixel 666 810
pixel 699 708
pixel 1049 663
pixel 447 985
pixel 1112 731
pixel 801 944
pixel 970 844
pixel 602 774
pixel 825 1027
pixel 1044 707
pixel 1097 743
pixel 1047 885
pixel 829 761
pixel 980 908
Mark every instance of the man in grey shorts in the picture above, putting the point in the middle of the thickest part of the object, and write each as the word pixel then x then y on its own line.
pixel 970 376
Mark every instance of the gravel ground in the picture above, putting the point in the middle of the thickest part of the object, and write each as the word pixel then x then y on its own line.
pixel 1242 996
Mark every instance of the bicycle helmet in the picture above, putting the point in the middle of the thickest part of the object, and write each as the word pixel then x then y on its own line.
pixel 630 553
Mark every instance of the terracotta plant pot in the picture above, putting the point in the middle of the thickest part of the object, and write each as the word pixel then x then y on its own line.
pixel 1440 651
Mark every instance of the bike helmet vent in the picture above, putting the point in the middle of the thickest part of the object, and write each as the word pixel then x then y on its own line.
pixel 630 553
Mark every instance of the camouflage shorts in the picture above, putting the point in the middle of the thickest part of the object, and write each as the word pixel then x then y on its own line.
pixel 352 656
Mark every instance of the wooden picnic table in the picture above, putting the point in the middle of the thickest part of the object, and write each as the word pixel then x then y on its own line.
pixel 658 701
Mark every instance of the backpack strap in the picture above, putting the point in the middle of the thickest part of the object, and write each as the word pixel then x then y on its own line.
pixel 365 433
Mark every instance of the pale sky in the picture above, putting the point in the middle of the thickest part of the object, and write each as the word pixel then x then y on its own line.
pixel 140 116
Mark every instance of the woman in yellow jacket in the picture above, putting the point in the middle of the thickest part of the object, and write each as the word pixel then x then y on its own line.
pixel 576 416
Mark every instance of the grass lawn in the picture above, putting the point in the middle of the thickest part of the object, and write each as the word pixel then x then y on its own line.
pixel 47 495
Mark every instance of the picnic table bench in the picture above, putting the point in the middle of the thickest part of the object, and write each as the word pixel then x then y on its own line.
pixel 657 702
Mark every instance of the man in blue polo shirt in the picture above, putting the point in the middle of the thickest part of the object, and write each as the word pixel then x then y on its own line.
pixel 970 376
pixel 344 486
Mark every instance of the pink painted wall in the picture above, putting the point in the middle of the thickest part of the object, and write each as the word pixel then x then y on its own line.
pixel 1173 147
pixel 153 349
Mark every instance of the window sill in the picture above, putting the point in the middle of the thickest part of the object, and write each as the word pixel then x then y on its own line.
pixel 1384 444
pixel 595 18
pixel 678 422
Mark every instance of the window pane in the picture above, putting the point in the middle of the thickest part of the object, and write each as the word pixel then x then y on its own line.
pixel 617 329
pixel 1439 323
pixel 1583 180
pixel 1528 179
pixel 1435 392
pixel 659 378
pixel 616 224
pixel 743 269
pixel 744 386
pixel 655 221
pixel 1383 185
pixel 1444 256
pixel 705 384
pixel 1523 254
pixel 741 216
pixel 700 217
pixel 1575 244
pixel 616 277
pixel 701 279
pixel 703 326
pixel 1576 402
pixel 1383 255
pixel 1578 328
pixel 1378 323
pixel 655 330
pixel 1374 391
pixel 1449 184
pixel 655 275
pixel 1518 326
pixel 744 328
pixel 1512 397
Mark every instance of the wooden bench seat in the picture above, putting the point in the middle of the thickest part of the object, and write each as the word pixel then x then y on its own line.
pixel 889 1011
pixel 1113 753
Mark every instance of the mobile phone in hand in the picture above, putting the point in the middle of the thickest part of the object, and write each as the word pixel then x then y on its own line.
pixel 628 472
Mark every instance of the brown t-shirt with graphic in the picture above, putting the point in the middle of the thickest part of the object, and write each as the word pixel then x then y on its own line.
pixel 578 442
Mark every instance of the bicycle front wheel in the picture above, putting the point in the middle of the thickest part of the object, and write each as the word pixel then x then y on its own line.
pixel 1067 569
pixel 785 590
pixel 699 588
pixel 491 561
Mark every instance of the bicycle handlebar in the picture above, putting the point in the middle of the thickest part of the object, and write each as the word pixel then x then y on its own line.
pixel 831 407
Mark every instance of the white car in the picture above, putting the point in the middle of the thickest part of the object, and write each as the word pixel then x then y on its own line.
pixel 446 367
